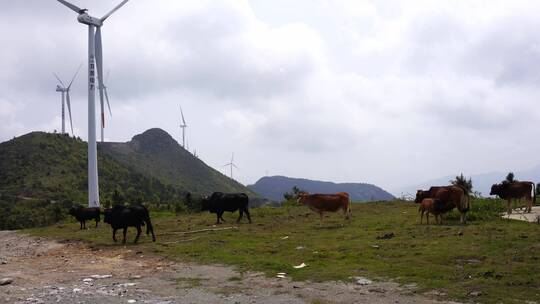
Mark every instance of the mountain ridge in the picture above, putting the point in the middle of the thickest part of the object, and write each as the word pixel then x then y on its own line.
pixel 273 188
pixel 152 166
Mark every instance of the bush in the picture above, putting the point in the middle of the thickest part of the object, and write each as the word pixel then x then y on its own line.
pixel 481 209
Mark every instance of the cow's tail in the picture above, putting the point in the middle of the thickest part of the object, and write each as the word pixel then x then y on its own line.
pixel 349 211
pixel 534 192
pixel 466 202
pixel 149 227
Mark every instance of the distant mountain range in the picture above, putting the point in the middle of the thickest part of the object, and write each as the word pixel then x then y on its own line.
pixel 481 182
pixel 152 167
pixel 273 188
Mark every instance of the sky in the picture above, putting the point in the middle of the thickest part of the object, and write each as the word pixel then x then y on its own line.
pixel 385 92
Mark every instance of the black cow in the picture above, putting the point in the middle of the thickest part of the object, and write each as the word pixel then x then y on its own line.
pixel 133 216
pixel 83 214
pixel 220 202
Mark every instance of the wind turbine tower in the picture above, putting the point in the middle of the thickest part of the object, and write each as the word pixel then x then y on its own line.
pixel 61 87
pixel 95 62
pixel 183 126
pixel 231 165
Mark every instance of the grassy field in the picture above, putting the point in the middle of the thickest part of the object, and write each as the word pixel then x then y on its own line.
pixel 497 260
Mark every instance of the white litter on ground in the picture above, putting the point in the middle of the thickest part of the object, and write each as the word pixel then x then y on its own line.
pixel 300 266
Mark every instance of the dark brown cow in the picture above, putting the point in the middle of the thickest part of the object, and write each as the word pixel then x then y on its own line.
pixel 515 190
pixel 321 203
pixel 451 196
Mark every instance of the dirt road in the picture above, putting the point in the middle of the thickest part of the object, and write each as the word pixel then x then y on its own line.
pixel 46 271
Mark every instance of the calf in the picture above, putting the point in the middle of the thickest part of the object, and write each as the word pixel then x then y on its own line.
pixel 83 214
pixel 133 216
pixel 220 202
pixel 433 206
pixel 326 202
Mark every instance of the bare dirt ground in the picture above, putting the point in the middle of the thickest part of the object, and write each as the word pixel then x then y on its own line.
pixel 46 271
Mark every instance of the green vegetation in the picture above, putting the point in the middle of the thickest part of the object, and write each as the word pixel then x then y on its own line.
pixel 496 259
pixel 151 169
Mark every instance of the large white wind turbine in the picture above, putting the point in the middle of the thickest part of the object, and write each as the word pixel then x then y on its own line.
pixel 61 87
pixel 231 165
pixel 95 60
pixel 183 126
pixel 103 106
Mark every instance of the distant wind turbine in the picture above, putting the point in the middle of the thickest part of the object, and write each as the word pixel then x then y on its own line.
pixel 95 60
pixel 66 99
pixel 231 165
pixel 102 85
pixel 183 126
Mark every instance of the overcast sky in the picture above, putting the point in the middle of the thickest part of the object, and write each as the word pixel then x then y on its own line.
pixel 391 93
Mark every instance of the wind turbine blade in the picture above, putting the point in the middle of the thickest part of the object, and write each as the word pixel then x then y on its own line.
pixel 107 98
pixel 69 86
pixel 58 78
pixel 236 167
pixel 182 113
pixel 99 63
pixel 226 165
pixel 69 111
pixel 232 158
pixel 71 6
pixel 113 10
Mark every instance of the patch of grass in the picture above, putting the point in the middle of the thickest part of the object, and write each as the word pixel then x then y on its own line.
pixel 498 258
pixel 189 282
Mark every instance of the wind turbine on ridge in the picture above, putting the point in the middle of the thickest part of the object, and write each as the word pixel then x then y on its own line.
pixel 183 126
pixel 231 165
pixel 61 87
pixel 95 61
pixel 104 87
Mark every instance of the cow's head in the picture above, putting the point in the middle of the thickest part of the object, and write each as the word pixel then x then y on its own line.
pixel 205 203
pixel 301 197
pixel 107 215
pixel 496 189
pixel 73 209
pixel 420 195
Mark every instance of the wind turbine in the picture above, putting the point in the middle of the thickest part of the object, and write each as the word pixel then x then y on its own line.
pixel 183 126
pixel 231 165
pixel 61 87
pixel 103 106
pixel 95 59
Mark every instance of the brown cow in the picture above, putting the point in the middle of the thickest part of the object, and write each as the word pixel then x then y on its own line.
pixel 433 206
pixel 326 202
pixel 451 196
pixel 515 190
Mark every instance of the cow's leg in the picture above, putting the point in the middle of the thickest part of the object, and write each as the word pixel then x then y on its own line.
pixel 139 230
pixel 421 217
pixel 218 215
pixel 97 220
pixel 114 235
pixel 529 204
pixel 427 218
pixel 125 232
pixel 509 206
pixel 240 215
pixel 248 216
pixel 84 224
pixel 80 222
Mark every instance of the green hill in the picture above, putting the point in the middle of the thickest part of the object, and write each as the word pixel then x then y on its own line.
pixel 152 167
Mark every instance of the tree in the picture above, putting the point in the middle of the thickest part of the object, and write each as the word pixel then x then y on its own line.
pixel 462 182
pixel 510 177
pixel 289 196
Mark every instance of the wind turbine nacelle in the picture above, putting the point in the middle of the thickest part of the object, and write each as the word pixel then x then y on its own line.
pixel 87 19
pixel 59 88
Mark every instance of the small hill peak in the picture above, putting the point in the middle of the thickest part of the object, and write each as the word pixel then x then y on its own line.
pixel 153 139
